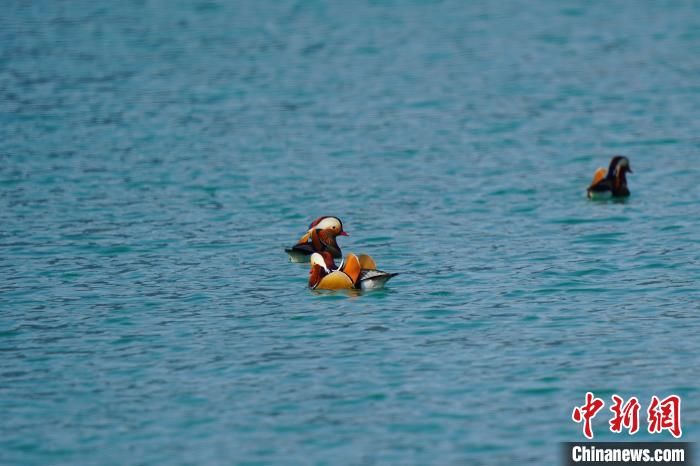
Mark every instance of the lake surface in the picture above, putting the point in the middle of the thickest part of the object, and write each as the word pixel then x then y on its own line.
pixel 156 157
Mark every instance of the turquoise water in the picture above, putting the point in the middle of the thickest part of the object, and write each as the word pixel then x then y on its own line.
pixel 156 157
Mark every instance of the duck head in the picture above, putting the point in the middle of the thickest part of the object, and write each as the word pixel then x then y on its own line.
pixel 619 165
pixel 319 267
pixel 333 224
pixel 329 223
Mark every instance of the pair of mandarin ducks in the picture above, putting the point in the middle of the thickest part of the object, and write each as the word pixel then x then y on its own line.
pixel 319 245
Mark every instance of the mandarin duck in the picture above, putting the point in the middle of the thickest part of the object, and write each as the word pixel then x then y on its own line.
pixel 320 237
pixel 611 182
pixel 355 272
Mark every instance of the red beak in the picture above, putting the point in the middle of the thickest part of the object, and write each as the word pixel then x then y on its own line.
pixel 343 233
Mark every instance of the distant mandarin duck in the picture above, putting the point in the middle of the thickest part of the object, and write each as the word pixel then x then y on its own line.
pixel 611 182
pixel 321 236
pixel 354 273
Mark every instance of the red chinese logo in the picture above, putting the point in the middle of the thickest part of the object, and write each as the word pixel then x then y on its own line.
pixel 661 415
pixel 626 416
pixel 587 412
pixel 665 415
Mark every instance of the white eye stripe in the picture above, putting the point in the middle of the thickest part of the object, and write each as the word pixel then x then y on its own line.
pixel 328 222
